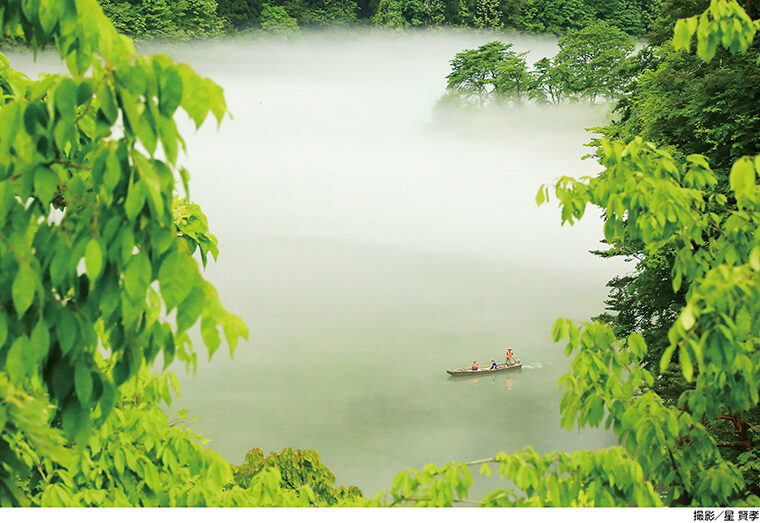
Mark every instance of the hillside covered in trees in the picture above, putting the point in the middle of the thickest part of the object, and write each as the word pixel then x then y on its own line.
pixel 202 18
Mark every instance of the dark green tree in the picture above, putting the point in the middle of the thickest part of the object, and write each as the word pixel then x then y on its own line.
pixel 550 81
pixel 410 13
pixel 179 19
pixel 492 71
pixel 487 14
pixel 240 14
pixel 276 19
pixel 593 58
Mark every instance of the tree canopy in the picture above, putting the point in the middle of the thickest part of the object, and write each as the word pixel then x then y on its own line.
pixel 589 66
pixel 202 18
pixel 492 70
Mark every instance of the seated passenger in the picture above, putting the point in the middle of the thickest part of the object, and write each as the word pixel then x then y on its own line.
pixel 474 365
pixel 493 365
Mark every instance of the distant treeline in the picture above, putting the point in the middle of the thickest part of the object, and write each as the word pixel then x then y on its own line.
pixel 591 64
pixel 201 18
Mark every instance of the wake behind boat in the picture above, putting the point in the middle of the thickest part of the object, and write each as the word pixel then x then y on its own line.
pixel 499 368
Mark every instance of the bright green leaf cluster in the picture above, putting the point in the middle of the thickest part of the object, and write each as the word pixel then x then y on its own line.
pixel 723 23
pixel 141 457
pixel 604 478
pixel 91 252
pixel 301 471
pixel 432 487
pixel 648 196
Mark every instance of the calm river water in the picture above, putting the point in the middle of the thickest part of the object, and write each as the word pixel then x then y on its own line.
pixel 371 242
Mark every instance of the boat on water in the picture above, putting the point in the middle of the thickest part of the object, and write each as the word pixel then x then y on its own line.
pixel 469 372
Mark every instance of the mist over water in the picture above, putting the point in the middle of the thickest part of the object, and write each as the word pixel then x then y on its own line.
pixel 370 242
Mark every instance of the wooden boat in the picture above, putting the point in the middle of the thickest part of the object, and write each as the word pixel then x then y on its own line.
pixel 469 372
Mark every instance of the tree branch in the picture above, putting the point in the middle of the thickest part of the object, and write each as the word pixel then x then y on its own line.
pixel 746 445
pixel 678 473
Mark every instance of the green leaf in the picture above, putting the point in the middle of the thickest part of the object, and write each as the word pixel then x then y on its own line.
pixel 754 259
pixel 112 173
pixel 210 335
pixel 234 328
pixel 93 259
pixel 176 278
pixel 135 200
pixel 190 309
pixel 107 399
pixel 59 266
pixel 666 357
pixel 107 102
pixel 558 328
pixel 170 92
pixel 706 47
pixel 39 343
pixel 137 277
pixel 686 366
pixel 687 317
pixel 66 330
pixel 742 177
pixel 129 112
pixel 118 460
pixel 83 383
pixel 3 328
pixel 167 131
pixel 609 229
pixel 152 182
pixel 147 130
pixel 216 99
pixel 84 91
pixel 45 184
pixel 683 32
pixel 195 96
pixel 7 200
pixel 174 383
pixel 24 287
pixel 65 97
pixel 17 364
pixel 637 344
pixel 540 196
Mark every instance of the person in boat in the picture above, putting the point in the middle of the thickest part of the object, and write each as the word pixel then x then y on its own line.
pixel 493 364
pixel 510 356
pixel 474 365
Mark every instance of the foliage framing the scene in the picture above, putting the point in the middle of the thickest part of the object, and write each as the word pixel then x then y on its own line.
pixel 92 257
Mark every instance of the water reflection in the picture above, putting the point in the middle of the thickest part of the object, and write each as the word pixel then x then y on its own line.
pixel 507 378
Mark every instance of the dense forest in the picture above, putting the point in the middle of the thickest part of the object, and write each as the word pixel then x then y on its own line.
pixel 203 18
pixel 98 249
